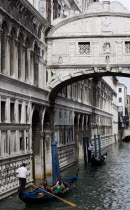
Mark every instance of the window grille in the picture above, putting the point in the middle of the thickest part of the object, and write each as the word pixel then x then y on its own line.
pixel 84 47
pixel 127 47
pixel 120 100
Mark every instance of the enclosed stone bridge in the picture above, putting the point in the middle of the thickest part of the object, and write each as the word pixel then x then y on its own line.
pixel 95 43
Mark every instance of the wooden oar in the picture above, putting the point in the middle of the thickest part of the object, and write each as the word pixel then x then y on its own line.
pixel 72 204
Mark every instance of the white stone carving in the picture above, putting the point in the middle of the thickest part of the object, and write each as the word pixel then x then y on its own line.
pixel 118 7
pixel 107 47
pixel 9 181
pixel 106 24
pixel 60 60
pixel 106 6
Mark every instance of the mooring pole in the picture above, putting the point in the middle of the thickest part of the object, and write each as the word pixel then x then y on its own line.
pixel 55 162
pixel 95 144
pixel 53 146
pixel 99 145
pixel 84 149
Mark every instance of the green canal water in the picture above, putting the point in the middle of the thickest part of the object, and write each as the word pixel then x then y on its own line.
pixel 98 188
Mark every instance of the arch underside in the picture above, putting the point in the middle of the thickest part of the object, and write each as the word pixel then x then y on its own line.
pixel 61 81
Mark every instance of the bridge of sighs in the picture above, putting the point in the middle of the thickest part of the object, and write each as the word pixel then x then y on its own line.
pixel 93 44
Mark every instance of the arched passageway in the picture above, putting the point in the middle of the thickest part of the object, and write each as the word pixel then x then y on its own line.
pixel 41 143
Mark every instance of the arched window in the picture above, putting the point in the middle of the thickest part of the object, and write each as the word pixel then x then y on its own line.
pixel 20 50
pixel 12 51
pixel 39 32
pixel 3 47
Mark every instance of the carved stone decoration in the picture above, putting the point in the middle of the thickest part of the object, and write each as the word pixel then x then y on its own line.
pixel 107 59
pixel 60 60
pixel 108 68
pixel 107 47
pixel 106 24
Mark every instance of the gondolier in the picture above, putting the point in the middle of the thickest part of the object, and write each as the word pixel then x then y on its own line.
pixel 22 173
pixel 90 151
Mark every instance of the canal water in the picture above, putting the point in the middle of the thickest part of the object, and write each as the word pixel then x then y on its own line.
pixel 98 188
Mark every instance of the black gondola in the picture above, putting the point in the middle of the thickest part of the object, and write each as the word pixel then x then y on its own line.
pixel 33 197
pixel 98 160
pixel 126 139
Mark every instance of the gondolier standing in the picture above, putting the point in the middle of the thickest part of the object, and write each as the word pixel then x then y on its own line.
pixel 22 173
pixel 90 151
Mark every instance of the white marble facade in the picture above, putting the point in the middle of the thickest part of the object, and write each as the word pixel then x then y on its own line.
pixel 46 85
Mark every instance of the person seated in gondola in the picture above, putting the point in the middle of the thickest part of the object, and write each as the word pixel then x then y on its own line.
pixel 102 158
pixel 41 191
pixel 97 158
pixel 59 187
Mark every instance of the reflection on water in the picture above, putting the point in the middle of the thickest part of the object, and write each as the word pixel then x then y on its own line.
pixel 101 188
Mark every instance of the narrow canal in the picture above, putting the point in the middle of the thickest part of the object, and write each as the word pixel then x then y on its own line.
pixel 101 188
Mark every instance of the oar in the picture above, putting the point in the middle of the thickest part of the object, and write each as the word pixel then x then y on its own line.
pixel 72 204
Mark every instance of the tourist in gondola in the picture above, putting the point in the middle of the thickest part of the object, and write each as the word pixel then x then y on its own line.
pixel 59 186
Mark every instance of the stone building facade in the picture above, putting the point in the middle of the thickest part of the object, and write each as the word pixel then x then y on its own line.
pixel 29 119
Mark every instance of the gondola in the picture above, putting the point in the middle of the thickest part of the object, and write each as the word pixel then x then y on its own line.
pixel 99 160
pixel 126 139
pixel 33 197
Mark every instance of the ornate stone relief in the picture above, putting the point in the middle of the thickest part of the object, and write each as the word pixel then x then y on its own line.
pixel 107 59
pixel 60 60
pixel 106 24
pixel 106 47
pixel 7 180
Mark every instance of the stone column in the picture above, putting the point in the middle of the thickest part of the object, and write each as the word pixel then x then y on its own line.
pixel 23 63
pixel 48 155
pixel 7 112
pixel 31 67
pixel 16 59
pixel 38 158
pixel 16 111
pixel 23 112
pixel 28 68
pixel 9 146
pixel 8 55
pixel 40 72
pixel 17 142
pixel 24 140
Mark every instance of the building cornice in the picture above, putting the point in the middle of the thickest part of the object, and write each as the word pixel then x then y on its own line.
pixel 25 5
pixel 84 16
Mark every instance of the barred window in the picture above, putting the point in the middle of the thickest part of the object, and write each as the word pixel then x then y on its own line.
pixel 84 47
pixel 127 47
